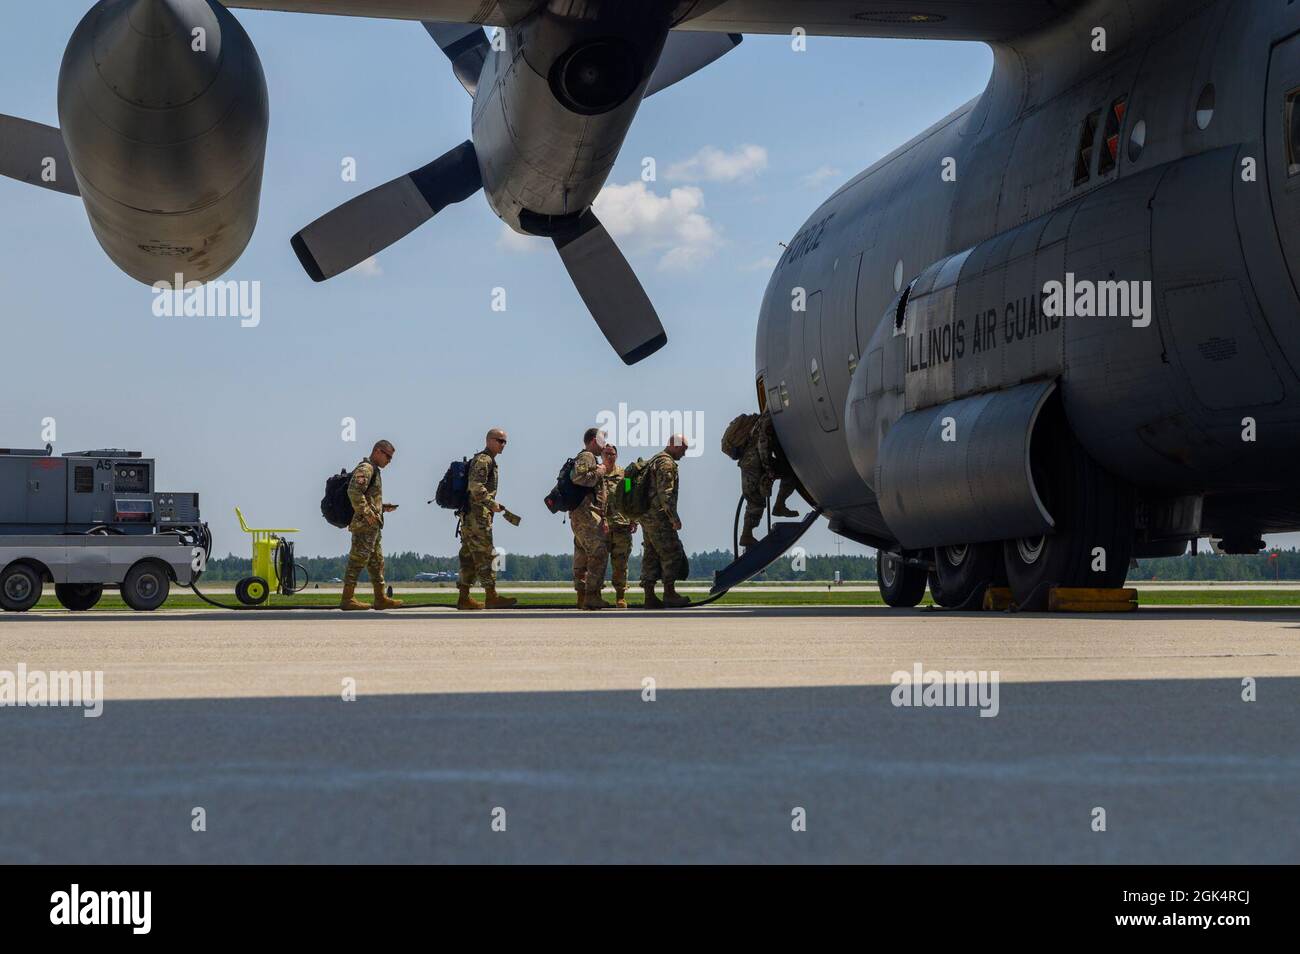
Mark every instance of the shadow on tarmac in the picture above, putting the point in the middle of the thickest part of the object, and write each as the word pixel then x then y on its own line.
pixel 1186 771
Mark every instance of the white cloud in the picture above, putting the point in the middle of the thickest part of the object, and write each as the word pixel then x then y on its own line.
pixel 369 268
pixel 511 241
pixel 714 165
pixel 819 176
pixel 672 225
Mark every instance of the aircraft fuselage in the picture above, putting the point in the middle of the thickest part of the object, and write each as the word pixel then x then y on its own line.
pixel 1121 225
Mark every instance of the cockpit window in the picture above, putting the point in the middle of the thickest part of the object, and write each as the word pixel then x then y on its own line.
pixel 1110 140
pixel 1087 138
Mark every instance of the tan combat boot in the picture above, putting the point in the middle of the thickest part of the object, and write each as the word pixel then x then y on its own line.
pixel 594 601
pixel 781 510
pixel 672 598
pixel 382 602
pixel 349 600
pixel 620 599
pixel 747 538
pixel 498 602
pixel 467 602
pixel 652 601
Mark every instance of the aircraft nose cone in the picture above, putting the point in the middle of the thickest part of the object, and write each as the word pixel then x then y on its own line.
pixel 157 54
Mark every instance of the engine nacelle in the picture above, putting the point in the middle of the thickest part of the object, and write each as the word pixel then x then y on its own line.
pixel 554 105
pixel 164 109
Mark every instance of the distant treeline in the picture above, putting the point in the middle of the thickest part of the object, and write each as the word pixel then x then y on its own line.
pixel 550 567
pixel 1269 565
pixel 402 567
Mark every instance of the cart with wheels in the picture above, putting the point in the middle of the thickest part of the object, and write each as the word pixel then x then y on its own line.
pixel 274 569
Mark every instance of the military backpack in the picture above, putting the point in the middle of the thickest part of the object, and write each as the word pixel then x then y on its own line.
pixel 566 496
pixel 632 497
pixel 453 489
pixel 736 438
pixel 335 506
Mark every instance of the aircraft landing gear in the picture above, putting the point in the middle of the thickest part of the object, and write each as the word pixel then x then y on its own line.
pixel 962 573
pixel 901 582
pixel 1092 542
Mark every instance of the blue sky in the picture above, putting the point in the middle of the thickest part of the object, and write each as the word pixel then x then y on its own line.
pixel 411 348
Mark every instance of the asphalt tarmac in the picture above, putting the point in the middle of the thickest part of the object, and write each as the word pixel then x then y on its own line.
pixel 543 722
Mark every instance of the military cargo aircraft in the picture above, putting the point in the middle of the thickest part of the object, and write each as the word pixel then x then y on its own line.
pixel 1060 328
pixel 1056 331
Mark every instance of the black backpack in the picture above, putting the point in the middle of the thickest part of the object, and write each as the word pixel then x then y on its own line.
pixel 335 506
pixel 565 496
pixel 453 489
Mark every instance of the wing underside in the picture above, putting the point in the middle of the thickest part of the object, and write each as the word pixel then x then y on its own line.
pixel 920 19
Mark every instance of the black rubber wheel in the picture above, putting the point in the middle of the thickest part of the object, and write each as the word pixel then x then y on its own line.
pixel 901 584
pixel 1094 514
pixel 20 588
pixel 962 573
pixel 78 597
pixel 252 591
pixel 146 587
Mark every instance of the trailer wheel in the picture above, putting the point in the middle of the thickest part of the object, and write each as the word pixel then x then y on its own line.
pixel 252 590
pixel 901 583
pixel 78 597
pixel 20 588
pixel 146 586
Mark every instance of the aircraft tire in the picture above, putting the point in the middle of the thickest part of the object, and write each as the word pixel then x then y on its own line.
pixel 1092 510
pixel 962 573
pixel 901 584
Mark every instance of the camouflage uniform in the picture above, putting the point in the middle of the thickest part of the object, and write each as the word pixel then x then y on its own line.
pixel 780 464
pixel 590 545
pixel 662 556
pixel 621 529
pixel 366 493
pixel 756 476
pixel 476 523
pixel 760 465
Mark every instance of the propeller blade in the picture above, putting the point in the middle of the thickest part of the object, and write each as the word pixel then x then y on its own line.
pixel 686 53
pixel 466 45
pixel 368 224
pixel 28 150
pixel 610 290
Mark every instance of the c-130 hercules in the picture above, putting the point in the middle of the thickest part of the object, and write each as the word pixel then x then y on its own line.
pixel 1060 328
pixel 1057 330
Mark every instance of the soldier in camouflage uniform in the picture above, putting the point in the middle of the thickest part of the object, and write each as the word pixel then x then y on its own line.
pixel 780 466
pixel 760 465
pixel 366 494
pixel 662 556
pixel 587 520
pixel 476 527
pixel 621 527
